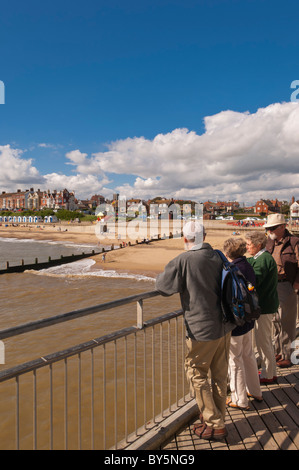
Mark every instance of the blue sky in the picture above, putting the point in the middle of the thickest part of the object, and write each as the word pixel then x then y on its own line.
pixel 146 97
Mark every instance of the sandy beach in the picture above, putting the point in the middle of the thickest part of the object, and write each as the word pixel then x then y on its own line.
pixel 55 233
pixel 152 258
pixel 147 259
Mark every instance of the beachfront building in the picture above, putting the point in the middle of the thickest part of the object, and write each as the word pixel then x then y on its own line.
pixel 31 199
pixel 97 200
pixel 19 200
pixel 11 201
pixel 58 200
pixel 165 208
pixel 220 207
pixel 265 206
pixel 294 211
pixel 135 206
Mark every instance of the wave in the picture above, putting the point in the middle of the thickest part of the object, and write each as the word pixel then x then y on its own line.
pixel 82 268
pixel 49 242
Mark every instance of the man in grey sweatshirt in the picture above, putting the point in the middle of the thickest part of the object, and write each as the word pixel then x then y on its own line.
pixel 196 275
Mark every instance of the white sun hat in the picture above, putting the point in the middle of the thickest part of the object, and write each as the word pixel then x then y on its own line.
pixel 275 219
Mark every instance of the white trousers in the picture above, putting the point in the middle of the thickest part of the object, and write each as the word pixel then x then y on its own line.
pixel 264 345
pixel 243 370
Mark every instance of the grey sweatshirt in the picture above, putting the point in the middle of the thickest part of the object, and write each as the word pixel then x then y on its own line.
pixel 196 276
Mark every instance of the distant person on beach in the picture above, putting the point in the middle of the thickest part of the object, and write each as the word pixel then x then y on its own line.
pixel 266 286
pixel 284 248
pixel 196 275
pixel 243 370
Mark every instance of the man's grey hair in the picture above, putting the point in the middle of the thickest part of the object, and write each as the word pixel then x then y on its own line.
pixel 257 238
pixel 194 231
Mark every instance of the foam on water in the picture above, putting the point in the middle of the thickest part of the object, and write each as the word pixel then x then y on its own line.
pixel 83 268
pixel 49 242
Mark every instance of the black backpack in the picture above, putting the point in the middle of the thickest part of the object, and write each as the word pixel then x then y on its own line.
pixel 239 299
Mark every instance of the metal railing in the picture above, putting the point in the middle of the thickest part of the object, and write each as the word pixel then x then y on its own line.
pixel 101 394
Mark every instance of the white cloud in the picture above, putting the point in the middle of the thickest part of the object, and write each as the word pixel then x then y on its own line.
pixel 83 185
pixel 19 173
pixel 240 156
pixel 16 170
pixel 48 146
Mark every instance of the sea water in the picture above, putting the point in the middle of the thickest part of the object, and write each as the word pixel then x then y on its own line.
pixel 33 295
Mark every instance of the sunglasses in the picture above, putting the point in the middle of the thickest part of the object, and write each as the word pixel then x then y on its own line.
pixel 272 229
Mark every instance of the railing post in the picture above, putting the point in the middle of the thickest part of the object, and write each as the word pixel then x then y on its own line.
pixel 140 314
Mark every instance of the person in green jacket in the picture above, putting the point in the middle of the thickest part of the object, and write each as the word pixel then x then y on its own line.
pixel 265 270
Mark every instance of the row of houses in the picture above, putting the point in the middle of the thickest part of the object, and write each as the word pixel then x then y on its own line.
pixel 31 199
pixel 153 207
pixel 261 207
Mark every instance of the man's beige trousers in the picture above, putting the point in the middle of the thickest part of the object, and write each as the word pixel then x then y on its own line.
pixel 206 368
pixel 285 320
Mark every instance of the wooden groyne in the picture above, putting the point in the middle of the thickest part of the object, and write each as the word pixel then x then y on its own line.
pixel 46 264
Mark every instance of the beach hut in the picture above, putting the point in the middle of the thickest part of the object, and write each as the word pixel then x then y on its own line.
pixel 1 218
pixel 52 219
pixel 24 219
pixel 37 219
pixel 30 219
pixel 20 219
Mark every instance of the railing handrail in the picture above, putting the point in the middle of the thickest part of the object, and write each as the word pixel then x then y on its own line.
pixel 45 322
pixel 79 348
pixel 126 345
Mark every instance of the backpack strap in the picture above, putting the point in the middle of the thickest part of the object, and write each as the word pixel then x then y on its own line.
pixel 223 258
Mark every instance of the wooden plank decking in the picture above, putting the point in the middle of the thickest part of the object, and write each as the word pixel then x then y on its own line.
pixel 270 425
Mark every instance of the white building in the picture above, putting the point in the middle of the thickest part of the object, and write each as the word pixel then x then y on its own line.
pixel 294 210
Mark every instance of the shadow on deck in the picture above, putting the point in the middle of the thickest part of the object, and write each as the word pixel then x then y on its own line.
pixel 270 425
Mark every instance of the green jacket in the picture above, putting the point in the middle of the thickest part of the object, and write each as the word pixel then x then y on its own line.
pixel 265 270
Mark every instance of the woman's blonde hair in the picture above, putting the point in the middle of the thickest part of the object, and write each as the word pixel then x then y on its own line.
pixel 234 247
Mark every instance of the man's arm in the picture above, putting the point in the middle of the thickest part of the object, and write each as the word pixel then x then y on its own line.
pixel 296 282
pixel 170 281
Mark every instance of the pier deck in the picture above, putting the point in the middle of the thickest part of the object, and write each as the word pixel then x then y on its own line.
pixel 270 425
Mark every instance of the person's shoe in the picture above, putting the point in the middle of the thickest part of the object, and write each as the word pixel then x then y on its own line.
pixel 284 363
pixel 233 405
pixel 259 399
pixel 268 381
pixel 210 434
